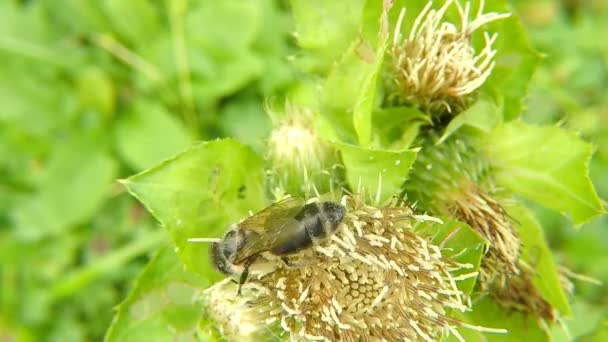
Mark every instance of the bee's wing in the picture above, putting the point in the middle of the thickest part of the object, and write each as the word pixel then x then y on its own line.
pixel 270 217
pixel 268 224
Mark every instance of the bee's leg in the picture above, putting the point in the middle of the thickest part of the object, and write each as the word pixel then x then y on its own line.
pixel 245 273
pixel 287 262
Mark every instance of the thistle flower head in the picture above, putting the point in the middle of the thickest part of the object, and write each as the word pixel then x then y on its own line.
pixel 436 66
pixel 374 280
pixel 297 154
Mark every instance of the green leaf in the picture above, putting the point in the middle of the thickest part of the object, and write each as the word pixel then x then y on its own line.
pixel 246 121
pixel 462 244
pixel 163 304
pixel 536 253
pixel 398 127
pixel 544 164
pixel 515 59
pixel 380 173
pixel 199 192
pixel 325 29
pixel 75 183
pixel 599 335
pixel 147 134
pixel 219 36
pixel 586 320
pixel 483 115
pixel 135 20
pixel 366 97
pixel 519 327
pixel 350 91
pixel 362 111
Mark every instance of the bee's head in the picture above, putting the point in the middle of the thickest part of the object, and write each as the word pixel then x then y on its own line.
pixel 334 212
pixel 218 257
pixel 222 253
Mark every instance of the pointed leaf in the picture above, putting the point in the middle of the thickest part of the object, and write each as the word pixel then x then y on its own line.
pixel 462 244
pixel 536 252
pixel 380 173
pixel 200 192
pixel 163 304
pixel 515 59
pixel 325 29
pixel 519 327
pixel 483 115
pixel 544 164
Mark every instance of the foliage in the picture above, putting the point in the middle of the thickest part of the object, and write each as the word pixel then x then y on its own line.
pixel 93 91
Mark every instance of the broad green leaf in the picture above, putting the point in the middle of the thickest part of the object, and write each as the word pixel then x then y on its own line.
pixel 77 16
pixel 75 183
pixel 200 192
pixel 135 20
pixel 272 46
pixel 148 134
pixel 219 36
pixel 200 60
pixel 536 253
pixel 519 327
pixel 325 29
pixel 599 335
pixel 460 243
pixel 515 59
pixel 362 111
pixel 246 121
pixel 544 164
pixel 163 304
pixel 349 95
pixel 585 319
pixel 380 173
pixel 483 115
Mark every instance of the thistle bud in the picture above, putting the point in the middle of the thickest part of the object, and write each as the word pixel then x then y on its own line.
pixel 300 162
pixel 232 317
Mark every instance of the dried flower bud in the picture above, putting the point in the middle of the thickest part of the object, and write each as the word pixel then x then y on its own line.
pixel 374 280
pixel 436 67
pixel 450 179
pixel 519 293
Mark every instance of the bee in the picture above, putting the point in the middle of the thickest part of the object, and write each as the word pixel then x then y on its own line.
pixel 282 229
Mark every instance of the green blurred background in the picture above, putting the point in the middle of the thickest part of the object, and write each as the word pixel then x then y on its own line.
pixel 92 91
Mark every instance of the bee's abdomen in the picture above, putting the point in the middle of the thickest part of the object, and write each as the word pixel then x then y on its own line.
pixel 298 241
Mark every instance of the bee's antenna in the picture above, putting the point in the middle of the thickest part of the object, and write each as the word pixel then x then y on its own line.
pixel 204 240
